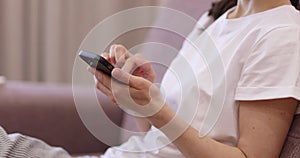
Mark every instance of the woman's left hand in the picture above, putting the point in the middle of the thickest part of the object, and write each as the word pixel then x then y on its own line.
pixel 133 92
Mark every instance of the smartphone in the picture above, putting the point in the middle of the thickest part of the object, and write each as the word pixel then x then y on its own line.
pixel 96 61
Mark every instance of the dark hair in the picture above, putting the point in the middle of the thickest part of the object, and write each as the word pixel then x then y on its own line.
pixel 220 7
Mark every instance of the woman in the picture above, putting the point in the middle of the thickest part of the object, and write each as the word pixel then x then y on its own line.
pixel 259 45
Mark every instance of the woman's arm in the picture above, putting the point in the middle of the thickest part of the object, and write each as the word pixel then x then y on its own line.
pixel 263 124
pixel 263 129
pixel 143 124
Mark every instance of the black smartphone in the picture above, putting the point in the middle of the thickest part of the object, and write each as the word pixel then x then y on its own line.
pixel 96 61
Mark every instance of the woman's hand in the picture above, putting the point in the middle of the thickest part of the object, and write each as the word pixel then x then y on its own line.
pixel 133 64
pixel 137 91
pixel 133 92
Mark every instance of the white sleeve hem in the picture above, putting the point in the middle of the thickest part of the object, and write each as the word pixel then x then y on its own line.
pixel 267 93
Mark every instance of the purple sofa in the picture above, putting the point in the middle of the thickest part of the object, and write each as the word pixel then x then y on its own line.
pixel 47 111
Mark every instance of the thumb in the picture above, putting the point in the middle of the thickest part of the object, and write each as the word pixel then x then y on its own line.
pixel 131 80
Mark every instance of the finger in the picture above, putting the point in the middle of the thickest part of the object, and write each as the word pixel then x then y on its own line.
pixel 105 55
pixel 132 81
pixel 129 65
pixel 112 54
pixel 146 71
pixel 102 88
pixel 133 63
pixel 120 54
pixel 105 90
pixel 103 78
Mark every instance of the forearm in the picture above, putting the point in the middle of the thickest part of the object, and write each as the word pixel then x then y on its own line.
pixel 190 143
pixel 204 146
pixel 143 124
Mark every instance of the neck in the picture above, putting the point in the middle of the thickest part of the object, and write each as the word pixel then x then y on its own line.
pixel 248 7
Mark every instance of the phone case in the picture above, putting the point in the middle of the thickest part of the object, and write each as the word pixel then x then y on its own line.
pixel 97 62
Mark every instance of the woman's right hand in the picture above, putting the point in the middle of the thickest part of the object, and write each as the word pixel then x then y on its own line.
pixel 132 64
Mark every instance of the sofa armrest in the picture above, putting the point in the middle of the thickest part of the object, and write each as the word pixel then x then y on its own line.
pixel 48 112
pixel 291 149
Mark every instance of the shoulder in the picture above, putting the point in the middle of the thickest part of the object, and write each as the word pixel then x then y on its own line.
pixel 275 38
pixel 283 21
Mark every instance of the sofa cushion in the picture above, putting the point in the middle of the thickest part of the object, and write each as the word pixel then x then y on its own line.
pixel 291 148
pixel 48 112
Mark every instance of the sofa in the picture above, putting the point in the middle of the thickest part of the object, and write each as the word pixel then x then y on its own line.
pixel 48 111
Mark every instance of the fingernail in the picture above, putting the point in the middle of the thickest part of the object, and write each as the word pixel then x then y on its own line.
pixel 112 48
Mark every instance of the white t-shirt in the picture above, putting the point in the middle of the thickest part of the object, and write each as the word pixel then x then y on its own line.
pixel 256 57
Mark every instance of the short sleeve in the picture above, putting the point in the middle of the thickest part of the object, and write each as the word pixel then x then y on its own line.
pixel 272 70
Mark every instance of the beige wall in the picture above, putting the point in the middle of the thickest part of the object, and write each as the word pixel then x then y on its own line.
pixel 39 38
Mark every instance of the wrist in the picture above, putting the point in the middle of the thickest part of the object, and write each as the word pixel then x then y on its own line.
pixel 162 117
pixel 167 122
